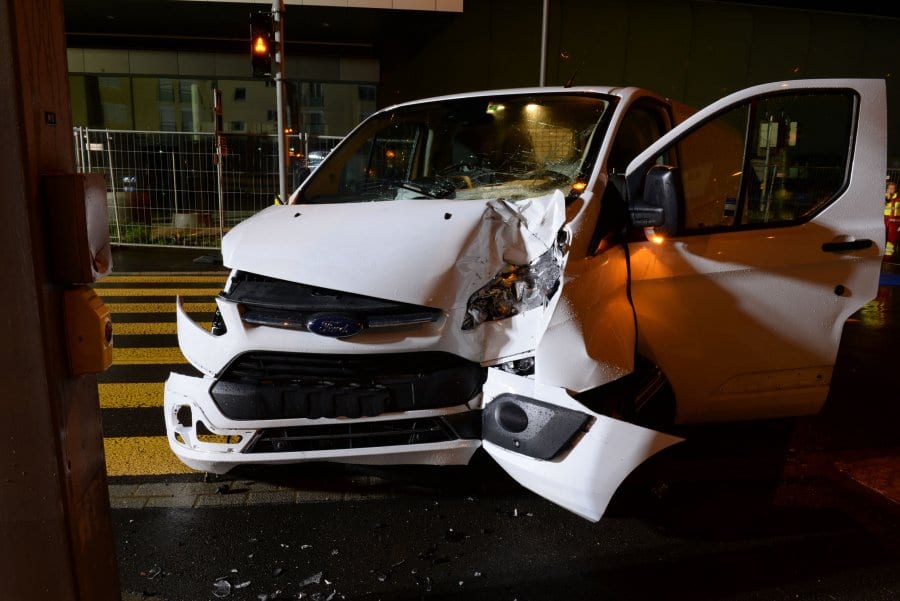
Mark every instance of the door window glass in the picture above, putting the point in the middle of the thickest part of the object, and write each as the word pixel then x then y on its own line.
pixel 797 156
pixel 710 159
pixel 773 160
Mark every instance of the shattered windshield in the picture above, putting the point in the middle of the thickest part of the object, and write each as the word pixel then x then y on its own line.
pixel 506 146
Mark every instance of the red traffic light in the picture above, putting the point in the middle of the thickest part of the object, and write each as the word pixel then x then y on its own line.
pixel 261 51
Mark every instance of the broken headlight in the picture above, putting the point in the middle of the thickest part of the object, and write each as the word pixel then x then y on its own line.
pixel 517 288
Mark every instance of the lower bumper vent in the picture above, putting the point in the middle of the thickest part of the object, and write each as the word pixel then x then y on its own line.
pixel 336 437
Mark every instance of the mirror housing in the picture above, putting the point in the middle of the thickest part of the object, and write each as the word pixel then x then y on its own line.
pixel 660 205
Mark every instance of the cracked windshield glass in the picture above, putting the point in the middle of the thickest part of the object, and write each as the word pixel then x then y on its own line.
pixel 512 147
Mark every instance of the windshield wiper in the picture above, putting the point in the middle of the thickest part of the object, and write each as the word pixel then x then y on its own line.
pixel 434 188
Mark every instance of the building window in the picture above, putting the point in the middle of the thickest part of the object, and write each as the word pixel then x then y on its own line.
pixel 367 93
pixel 166 90
pixel 240 93
pixel 167 119
pixel 237 126
pixel 271 115
pixel 315 97
pixel 315 123
pixel 184 90
pixel 115 114
pixel 187 120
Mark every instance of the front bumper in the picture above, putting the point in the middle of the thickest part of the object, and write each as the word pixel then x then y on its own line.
pixel 293 396
pixel 207 440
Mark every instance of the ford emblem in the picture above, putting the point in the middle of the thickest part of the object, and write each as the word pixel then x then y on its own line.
pixel 334 325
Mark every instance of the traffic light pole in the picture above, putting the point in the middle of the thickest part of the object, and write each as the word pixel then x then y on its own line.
pixel 278 13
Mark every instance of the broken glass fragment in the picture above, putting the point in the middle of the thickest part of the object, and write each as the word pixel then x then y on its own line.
pixel 314 579
pixel 221 587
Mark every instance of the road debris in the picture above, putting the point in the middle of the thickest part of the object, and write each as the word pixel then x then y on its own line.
pixel 222 587
pixel 314 579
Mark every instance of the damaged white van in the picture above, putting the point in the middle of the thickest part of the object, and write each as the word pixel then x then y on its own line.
pixel 557 275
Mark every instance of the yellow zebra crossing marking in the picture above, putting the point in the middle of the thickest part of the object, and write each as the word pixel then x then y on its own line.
pixel 148 356
pixel 141 456
pixel 140 329
pixel 130 394
pixel 162 279
pixel 159 292
pixel 148 455
pixel 158 307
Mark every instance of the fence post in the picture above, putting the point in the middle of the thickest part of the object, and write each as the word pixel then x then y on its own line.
pixel 112 183
pixel 87 153
pixel 305 149
pixel 76 134
pixel 175 183
pixel 221 152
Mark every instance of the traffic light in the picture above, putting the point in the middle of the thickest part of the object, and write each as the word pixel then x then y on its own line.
pixel 262 46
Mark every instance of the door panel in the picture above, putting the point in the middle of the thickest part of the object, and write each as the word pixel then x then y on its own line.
pixel 743 309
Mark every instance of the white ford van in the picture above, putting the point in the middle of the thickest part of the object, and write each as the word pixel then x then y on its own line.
pixel 557 275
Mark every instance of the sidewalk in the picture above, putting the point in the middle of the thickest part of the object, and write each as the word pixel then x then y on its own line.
pixel 135 259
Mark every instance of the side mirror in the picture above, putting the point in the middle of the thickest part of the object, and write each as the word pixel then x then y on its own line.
pixel 660 204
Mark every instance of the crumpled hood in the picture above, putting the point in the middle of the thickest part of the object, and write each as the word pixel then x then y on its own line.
pixel 431 252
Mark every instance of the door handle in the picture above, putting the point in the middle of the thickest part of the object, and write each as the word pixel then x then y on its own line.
pixel 839 247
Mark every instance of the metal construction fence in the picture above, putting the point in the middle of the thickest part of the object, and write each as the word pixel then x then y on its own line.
pixel 893 175
pixel 166 188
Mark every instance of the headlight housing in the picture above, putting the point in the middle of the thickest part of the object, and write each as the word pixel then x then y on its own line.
pixel 517 288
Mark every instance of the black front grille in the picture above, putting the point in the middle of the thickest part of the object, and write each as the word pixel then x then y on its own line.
pixel 272 385
pixel 278 303
pixel 364 435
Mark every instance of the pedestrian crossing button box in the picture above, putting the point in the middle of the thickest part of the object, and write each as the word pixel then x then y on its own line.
pixel 89 331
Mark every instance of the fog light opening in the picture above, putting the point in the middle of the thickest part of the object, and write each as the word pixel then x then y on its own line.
pixel 183 416
pixel 203 434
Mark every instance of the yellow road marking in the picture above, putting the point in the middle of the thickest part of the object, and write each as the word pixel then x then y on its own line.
pixel 162 279
pixel 159 291
pixel 141 456
pixel 158 307
pixel 147 356
pixel 129 395
pixel 137 329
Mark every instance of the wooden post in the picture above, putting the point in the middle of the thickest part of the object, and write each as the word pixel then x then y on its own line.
pixel 56 538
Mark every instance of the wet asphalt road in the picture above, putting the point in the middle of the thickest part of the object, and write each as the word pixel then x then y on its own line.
pixel 748 511
pixel 708 542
